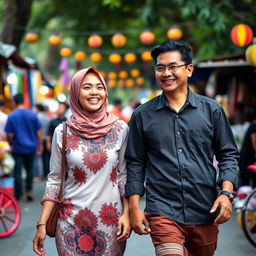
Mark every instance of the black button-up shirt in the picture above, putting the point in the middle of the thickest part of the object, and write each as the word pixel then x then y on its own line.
pixel 174 152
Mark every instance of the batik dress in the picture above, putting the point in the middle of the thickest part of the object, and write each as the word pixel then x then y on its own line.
pixel 93 191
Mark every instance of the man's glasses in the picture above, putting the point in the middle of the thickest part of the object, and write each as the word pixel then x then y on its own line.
pixel 171 68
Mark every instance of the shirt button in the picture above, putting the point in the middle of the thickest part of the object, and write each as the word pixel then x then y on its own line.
pixel 180 149
pixel 177 116
pixel 178 133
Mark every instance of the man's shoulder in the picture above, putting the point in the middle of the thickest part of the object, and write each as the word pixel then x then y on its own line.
pixel 150 105
pixel 201 99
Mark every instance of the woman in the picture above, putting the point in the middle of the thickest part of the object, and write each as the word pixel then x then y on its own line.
pixel 95 220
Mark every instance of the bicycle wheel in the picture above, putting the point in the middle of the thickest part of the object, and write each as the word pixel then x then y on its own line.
pixel 9 214
pixel 249 217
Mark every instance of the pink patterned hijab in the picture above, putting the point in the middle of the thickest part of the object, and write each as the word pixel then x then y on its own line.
pixel 89 125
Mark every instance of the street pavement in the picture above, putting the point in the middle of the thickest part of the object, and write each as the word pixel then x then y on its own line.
pixel 232 241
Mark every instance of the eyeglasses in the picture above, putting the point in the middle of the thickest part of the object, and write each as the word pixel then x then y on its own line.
pixel 171 68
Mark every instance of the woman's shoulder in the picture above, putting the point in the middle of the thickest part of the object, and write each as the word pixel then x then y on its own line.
pixel 121 125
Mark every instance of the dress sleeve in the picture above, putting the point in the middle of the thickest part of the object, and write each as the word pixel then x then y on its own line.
pixel 54 177
pixel 122 172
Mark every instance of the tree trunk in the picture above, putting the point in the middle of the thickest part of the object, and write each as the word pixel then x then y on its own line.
pixel 16 17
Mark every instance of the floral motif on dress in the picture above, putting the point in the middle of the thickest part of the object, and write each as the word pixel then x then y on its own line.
pixel 113 176
pixel 85 218
pixel 51 193
pixel 66 209
pixel 73 142
pixel 109 214
pixel 79 175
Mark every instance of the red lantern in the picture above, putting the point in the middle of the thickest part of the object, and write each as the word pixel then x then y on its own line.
pixel 96 57
pixel 147 37
pixel 32 37
pixel 54 40
pixel 118 40
pixel 95 41
pixel 65 52
pixel 130 57
pixel 174 34
pixel 250 55
pixel 241 35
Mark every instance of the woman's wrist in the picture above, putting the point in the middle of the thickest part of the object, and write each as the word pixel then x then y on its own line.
pixel 38 224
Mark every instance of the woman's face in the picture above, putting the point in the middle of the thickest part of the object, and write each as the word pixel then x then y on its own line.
pixel 92 94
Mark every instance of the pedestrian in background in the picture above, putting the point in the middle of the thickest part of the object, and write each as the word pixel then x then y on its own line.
pixel 24 134
pixel 95 218
pixel 172 140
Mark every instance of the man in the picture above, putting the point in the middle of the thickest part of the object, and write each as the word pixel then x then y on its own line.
pixel 172 141
pixel 24 134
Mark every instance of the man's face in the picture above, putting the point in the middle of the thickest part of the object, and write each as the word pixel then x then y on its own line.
pixel 171 72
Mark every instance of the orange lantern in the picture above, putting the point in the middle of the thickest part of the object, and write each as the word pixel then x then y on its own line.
pixel 140 80
pixel 135 73
pixel 250 55
pixel 241 35
pixel 31 37
pixel 80 55
pixel 123 74
pixel 65 52
pixel 54 40
pixel 96 57
pixel 130 57
pixel 103 74
pixel 118 40
pixel 174 34
pixel 112 75
pixel 111 83
pixel 115 58
pixel 121 83
pixel 95 41
pixel 129 82
pixel 146 56
pixel 147 37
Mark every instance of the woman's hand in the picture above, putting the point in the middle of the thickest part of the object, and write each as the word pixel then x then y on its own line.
pixel 38 241
pixel 124 228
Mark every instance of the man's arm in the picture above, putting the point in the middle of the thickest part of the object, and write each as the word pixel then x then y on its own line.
pixel 40 142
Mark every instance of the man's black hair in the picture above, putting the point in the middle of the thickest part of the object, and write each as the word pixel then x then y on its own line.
pixel 40 107
pixel 169 46
pixel 18 99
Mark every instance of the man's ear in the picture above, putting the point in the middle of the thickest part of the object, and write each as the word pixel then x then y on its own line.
pixel 190 69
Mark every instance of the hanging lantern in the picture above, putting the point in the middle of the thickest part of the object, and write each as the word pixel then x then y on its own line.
pixel 250 55
pixel 115 58
pixel 123 74
pixel 121 83
pixel 112 75
pixel 54 40
pixel 135 73
pixel 65 52
pixel 241 35
pixel 130 57
pixel 118 40
pixel 31 37
pixel 95 41
pixel 140 80
pixel 80 55
pixel 147 37
pixel 96 57
pixel 111 83
pixel 174 34
pixel 146 56
pixel 129 82
pixel 103 74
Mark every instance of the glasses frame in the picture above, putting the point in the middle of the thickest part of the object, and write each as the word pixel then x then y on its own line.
pixel 169 67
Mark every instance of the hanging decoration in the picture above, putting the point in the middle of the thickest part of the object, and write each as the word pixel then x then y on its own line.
pixel 31 37
pixel 54 40
pixel 121 83
pixel 130 57
pixel 79 57
pixel 111 83
pixel 146 57
pixel 147 37
pixel 129 82
pixel 65 52
pixel 116 59
pixel 250 55
pixel 103 74
pixel 241 35
pixel 123 74
pixel 174 34
pixel 96 57
pixel 112 75
pixel 140 80
pixel 135 73
pixel 64 69
pixel 95 41
pixel 118 40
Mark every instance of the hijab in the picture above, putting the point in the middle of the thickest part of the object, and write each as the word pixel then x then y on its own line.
pixel 83 123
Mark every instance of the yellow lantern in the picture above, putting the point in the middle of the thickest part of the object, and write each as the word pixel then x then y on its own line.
pixel 80 55
pixel 96 57
pixel 118 40
pixel 129 82
pixel 146 56
pixel 130 57
pixel 140 80
pixel 174 34
pixel 135 73
pixel 65 52
pixel 111 83
pixel 250 55
pixel 31 37
pixel 123 74
pixel 112 75
pixel 115 58
pixel 147 37
pixel 95 41
pixel 54 40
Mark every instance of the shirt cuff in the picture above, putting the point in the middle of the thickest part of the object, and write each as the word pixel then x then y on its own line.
pixel 228 176
pixel 134 189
